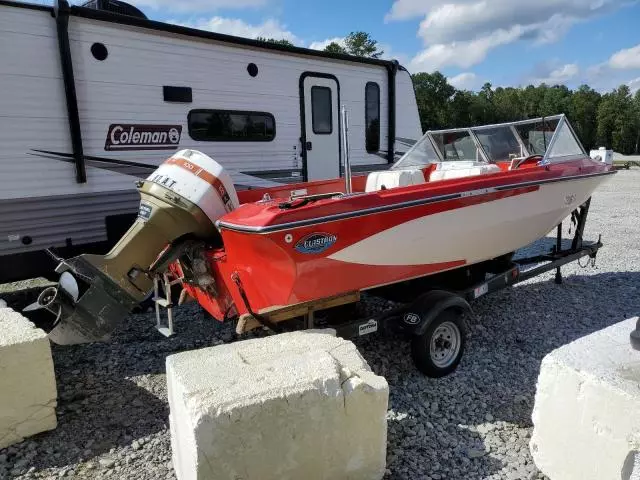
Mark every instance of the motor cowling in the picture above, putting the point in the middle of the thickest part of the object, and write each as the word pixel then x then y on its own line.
pixel 181 199
pixel 199 179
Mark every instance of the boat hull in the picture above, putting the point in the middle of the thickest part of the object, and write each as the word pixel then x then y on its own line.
pixel 301 262
pixel 473 233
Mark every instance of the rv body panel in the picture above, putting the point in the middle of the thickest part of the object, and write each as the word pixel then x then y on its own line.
pixel 41 200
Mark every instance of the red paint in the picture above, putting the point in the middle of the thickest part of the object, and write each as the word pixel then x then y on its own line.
pixel 264 214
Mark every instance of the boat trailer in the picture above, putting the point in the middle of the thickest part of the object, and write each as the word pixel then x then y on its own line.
pixel 435 319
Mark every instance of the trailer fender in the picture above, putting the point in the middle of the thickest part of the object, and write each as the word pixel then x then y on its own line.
pixel 427 307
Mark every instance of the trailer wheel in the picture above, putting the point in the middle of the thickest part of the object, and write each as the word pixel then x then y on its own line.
pixel 438 350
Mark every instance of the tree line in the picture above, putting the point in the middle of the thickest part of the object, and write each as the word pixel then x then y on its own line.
pixel 611 119
pixel 608 119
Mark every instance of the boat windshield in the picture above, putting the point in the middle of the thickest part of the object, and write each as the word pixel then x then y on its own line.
pixel 421 154
pixel 499 143
pixel 456 145
pixel 550 137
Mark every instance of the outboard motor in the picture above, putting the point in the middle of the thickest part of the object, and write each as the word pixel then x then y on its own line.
pixel 180 200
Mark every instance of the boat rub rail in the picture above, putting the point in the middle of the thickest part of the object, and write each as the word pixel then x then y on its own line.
pixel 396 206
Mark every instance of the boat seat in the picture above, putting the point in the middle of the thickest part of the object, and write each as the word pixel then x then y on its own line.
pixel 461 169
pixel 387 179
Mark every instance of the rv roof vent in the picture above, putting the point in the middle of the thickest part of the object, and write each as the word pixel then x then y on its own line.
pixel 114 6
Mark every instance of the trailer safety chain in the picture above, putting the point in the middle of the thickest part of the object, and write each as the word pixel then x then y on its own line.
pixel 264 321
pixel 590 260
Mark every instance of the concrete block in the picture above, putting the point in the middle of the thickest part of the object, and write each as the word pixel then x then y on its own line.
pixel 290 406
pixel 587 408
pixel 27 380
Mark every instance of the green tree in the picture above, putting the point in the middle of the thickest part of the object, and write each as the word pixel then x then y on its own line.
pixel 361 44
pixel 606 120
pixel 618 121
pixel 583 114
pixel 554 100
pixel 460 114
pixel 335 47
pixel 282 41
pixel 626 123
pixel 530 101
pixel 636 113
pixel 508 103
pixel 433 95
pixel 611 120
pixel 483 110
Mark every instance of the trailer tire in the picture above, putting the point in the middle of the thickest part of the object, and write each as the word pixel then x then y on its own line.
pixel 437 352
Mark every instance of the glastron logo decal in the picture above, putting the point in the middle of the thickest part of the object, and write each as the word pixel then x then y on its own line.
pixel 315 242
pixel 121 136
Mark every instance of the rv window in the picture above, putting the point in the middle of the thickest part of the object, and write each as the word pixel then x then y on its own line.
pixel 231 126
pixel 321 110
pixel 372 117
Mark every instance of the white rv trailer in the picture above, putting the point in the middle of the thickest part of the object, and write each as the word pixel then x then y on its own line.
pixel 91 101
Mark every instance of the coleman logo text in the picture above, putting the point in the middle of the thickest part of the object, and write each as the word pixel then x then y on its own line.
pixel 122 136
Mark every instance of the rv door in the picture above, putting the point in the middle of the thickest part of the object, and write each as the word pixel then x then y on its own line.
pixel 321 130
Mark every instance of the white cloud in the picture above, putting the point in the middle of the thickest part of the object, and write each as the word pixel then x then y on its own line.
pixel 453 30
pixel 600 76
pixel 390 54
pixel 270 28
pixel 464 81
pixel 626 59
pixel 560 75
pixel 461 54
pixel 321 45
pixel 406 9
pixel 464 20
pixel 634 84
pixel 186 6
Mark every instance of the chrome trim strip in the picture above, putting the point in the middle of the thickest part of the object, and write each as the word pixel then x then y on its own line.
pixel 494 125
pixel 337 216
pixel 554 180
pixel 396 206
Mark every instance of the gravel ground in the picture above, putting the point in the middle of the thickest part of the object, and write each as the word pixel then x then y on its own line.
pixel 474 424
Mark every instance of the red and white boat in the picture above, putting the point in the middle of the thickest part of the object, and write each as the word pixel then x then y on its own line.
pixel 457 198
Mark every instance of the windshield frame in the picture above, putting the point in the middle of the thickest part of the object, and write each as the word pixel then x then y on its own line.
pixel 485 157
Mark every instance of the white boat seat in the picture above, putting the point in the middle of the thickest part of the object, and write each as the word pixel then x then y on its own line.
pixel 461 169
pixel 394 179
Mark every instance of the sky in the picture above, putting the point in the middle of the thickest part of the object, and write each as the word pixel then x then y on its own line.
pixel 504 42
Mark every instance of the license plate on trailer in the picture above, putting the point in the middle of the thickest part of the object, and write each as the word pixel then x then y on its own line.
pixel 481 290
pixel 369 327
